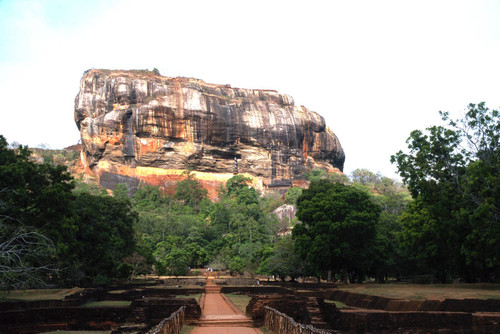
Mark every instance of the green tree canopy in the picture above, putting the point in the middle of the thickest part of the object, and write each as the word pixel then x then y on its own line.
pixel 453 173
pixel 365 177
pixel 337 228
pixel 83 235
pixel 190 191
pixel 292 195
pixel 237 187
pixel 36 220
pixel 105 235
pixel 282 260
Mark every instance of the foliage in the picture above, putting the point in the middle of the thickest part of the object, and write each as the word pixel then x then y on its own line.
pixel 389 257
pixel 55 157
pixel 292 195
pixel 173 259
pixel 270 202
pixel 105 235
pixel 236 187
pixel 92 188
pixel 190 191
pixel 225 234
pixel 282 260
pixel 317 175
pixel 51 227
pixel 95 238
pixel 35 216
pixel 337 230
pixel 452 172
pixel 365 177
pixel 121 192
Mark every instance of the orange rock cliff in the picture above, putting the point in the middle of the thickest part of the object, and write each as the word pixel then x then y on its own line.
pixel 140 127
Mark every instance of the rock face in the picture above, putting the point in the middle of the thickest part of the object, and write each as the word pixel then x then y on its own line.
pixel 138 126
pixel 286 214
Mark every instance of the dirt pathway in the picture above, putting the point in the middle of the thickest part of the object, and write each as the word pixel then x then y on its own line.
pixel 220 316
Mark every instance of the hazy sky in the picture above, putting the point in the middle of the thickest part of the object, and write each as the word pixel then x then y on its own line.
pixel 375 70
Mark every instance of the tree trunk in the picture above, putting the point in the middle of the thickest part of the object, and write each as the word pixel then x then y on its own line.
pixel 345 279
pixel 329 279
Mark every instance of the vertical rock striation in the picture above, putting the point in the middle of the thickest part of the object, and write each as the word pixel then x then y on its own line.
pixel 137 126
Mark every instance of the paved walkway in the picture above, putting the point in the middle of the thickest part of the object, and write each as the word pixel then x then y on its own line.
pixel 220 316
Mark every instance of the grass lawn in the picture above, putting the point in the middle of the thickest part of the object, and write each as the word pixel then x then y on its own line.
pixel 196 297
pixel 105 303
pixel 427 291
pixel 240 301
pixel 186 329
pixel 40 294
pixel 338 304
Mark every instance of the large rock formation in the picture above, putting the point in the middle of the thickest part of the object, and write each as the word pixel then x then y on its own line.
pixel 138 126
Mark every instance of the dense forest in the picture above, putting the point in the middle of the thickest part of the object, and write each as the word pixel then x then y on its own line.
pixel 442 226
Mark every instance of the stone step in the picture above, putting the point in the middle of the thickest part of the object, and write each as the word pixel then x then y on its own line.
pixel 225 322
pixel 132 329
pixel 316 317
pixel 212 289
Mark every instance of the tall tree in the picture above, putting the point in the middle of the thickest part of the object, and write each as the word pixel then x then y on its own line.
pixel 82 234
pixel 365 177
pixel 337 228
pixel 35 216
pixel 190 191
pixel 453 173
pixel 105 236
pixel 282 260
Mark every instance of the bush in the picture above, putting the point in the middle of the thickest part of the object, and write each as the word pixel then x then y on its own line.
pixel 101 280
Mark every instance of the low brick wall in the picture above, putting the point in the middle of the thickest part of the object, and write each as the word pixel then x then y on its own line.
pixel 289 304
pixel 154 310
pixel 390 304
pixel 305 311
pixel 256 290
pixel 281 323
pixel 301 286
pixel 152 292
pixel 417 322
pixel 67 318
pixel 235 281
pixel 56 315
pixel 183 281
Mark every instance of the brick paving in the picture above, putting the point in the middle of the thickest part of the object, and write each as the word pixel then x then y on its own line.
pixel 220 316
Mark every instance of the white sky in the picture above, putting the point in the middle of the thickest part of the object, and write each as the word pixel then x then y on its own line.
pixel 375 70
